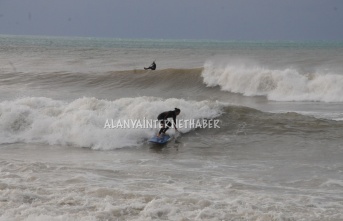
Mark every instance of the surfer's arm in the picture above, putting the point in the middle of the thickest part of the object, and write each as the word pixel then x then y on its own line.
pixel 174 119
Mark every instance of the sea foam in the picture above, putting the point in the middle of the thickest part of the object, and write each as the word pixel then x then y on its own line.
pixel 279 85
pixel 81 122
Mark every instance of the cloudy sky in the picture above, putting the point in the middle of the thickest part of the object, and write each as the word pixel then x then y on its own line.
pixel 295 20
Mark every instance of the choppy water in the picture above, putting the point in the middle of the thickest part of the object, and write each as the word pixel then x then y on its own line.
pixel 276 156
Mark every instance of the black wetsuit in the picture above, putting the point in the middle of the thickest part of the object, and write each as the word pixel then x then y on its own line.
pixel 165 123
pixel 152 66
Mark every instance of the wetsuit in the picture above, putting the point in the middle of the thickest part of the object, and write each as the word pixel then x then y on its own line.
pixel 152 66
pixel 165 123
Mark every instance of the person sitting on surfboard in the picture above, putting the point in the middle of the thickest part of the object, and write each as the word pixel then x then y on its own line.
pixel 165 123
pixel 152 66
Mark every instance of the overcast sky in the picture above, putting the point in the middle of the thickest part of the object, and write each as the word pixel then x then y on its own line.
pixel 296 20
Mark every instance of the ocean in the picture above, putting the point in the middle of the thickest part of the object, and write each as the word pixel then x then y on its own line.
pixel 276 155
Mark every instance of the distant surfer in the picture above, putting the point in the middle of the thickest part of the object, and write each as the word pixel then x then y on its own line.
pixel 165 123
pixel 152 66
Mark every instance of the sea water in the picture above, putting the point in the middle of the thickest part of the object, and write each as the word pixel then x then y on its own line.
pixel 277 154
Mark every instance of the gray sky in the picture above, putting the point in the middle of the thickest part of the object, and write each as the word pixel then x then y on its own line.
pixel 176 19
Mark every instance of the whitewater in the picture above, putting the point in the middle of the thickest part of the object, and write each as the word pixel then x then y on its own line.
pixel 276 155
pixel 277 85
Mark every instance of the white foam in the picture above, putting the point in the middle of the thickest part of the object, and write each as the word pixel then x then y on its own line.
pixel 278 85
pixel 81 122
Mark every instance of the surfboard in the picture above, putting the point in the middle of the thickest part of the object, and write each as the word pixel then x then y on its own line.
pixel 160 140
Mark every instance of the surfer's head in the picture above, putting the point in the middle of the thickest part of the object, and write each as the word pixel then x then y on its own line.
pixel 177 111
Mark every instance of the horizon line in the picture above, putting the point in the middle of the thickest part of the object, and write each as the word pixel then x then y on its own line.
pixel 176 39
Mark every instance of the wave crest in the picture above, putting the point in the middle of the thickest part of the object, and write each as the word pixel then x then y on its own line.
pixel 278 85
pixel 81 122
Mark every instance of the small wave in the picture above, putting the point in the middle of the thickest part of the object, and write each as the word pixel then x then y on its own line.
pixel 245 120
pixel 137 79
pixel 278 85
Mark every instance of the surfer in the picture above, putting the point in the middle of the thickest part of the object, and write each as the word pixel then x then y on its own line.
pixel 152 66
pixel 165 123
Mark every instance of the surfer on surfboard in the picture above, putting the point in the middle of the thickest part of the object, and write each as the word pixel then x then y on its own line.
pixel 152 66
pixel 165 123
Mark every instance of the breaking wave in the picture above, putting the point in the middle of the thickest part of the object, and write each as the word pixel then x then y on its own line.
pixel 278 85
pixel 81 122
